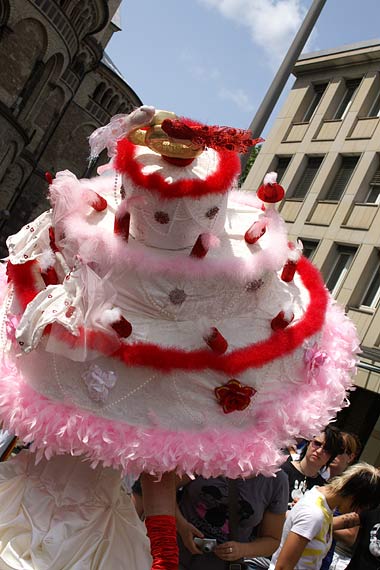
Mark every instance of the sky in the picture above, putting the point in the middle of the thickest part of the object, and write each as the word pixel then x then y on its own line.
pixel 213 60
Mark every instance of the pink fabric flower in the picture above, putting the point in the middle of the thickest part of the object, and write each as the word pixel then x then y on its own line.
pixel 315 358
pixel 99 382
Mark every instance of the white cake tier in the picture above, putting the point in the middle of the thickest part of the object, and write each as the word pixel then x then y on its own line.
pixel 139 395
pixel 169 297
pixel 88 235
pixel 174 223
pixel 171 205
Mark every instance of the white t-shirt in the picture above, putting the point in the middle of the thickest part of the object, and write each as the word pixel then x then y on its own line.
pixel 311 518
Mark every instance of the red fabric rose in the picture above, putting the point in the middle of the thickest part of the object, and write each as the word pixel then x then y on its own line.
pixel 233 396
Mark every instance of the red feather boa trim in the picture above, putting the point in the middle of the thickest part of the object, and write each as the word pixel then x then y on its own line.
pixel 217 183
pixel 279 344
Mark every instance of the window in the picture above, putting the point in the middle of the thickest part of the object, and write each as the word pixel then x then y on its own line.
pixel 375 109
pixel 371 296
pixel 373 195
pixel 99 90
pixel 106 97
pixel 345 104
pixel 282 165
pixel 342 178
pixel 340 268
pixel 312 167
pixel 309 247
pixel 318 94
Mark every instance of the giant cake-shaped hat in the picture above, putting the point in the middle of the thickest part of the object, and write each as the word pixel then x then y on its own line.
pixel 157 319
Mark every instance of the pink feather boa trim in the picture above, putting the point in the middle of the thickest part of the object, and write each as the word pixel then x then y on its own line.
pixel 56 428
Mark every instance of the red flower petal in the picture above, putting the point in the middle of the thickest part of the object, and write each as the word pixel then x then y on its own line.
pixel 288 271
pixel 98 203
pixel 254 233
pixel 122 327
pixel 280 322
pixel 216 341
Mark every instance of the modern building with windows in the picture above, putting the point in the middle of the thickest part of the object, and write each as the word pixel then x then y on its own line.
pixel 325 146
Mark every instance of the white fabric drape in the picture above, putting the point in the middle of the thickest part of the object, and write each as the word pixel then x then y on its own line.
pixel 63 515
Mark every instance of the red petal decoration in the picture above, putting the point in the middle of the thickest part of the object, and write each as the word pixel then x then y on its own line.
pixel 50 276
pixel 216 341
pixel 122 327
pixel 199 249
pixel 98 203
pixel 53 245
pixel 288 271
pixel 280 322
pixel 49 178
pixel 121 225
pixel 271 193
pixel 70 311
pixel 252 235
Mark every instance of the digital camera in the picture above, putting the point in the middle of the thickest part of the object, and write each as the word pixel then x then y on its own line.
pixel 205 544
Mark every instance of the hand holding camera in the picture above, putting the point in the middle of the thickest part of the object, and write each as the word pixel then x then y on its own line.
pixel 188 533
pixel 205 544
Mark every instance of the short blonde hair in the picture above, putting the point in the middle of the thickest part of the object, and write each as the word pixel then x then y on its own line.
pixel 361 482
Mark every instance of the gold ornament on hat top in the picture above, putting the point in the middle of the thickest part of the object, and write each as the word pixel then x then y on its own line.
pixel 155 138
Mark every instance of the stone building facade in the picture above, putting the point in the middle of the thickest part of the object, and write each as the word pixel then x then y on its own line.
pixel 325 146
pixel 56 86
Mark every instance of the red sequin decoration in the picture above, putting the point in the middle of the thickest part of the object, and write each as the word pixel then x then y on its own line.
pixel 227 138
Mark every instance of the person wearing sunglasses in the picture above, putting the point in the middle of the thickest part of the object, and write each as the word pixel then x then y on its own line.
pixel 304 472
pixel 307 533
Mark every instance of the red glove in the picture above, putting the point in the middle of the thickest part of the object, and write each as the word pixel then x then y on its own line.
pixel 162 532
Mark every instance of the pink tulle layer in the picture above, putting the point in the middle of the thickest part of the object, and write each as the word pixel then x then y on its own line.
pixel 58 428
